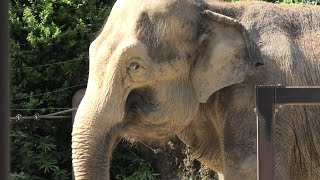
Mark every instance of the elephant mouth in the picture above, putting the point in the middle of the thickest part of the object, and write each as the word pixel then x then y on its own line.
pixel 138 105
pixel 143 114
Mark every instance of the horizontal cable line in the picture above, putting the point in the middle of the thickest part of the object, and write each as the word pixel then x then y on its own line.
pixel 64 33
pixel 51 92
pixel 40 117
pixel 64 6
pixel 19 117
pixel 43 65
pixel 39 109
pixel 61 112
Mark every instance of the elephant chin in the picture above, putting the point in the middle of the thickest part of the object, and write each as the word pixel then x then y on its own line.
pixel 144 115
pixel 147 137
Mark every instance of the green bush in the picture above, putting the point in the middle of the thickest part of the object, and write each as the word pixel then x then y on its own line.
pixel 49 49
pixel 127 164
pixel 38 157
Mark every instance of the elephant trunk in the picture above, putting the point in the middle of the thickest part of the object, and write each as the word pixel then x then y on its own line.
pixel 91 153
pixel 96 131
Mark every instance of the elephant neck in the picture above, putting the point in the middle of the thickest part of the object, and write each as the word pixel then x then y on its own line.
pixel 202 138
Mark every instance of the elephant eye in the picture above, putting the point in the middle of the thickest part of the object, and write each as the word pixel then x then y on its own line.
pixel 137 69
pixel 133 66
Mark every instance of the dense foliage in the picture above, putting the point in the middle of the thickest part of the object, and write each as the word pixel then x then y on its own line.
pixel 49 49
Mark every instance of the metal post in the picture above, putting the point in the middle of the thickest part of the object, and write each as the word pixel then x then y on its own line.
pixel 265 118
pixel 266 99
pixel 4 91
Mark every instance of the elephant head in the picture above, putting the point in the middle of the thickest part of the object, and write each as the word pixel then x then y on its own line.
pixel 151 66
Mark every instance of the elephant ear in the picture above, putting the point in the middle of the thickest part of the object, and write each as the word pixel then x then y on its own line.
pixel 226 55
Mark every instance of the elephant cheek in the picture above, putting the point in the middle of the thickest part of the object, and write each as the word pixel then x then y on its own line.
pixel 187 109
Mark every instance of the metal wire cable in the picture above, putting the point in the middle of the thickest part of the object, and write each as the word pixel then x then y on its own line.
pixel 50 64
pixel 19 117
pixel 60 112
pixel 51 92
pixel 39 109
pixel 55 3
pixel 39 117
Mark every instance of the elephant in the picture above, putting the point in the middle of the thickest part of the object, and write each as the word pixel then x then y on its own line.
pixel 76 99
pixel 189 68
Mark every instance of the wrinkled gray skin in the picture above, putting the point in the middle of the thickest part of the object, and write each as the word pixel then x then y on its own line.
pixel 174 67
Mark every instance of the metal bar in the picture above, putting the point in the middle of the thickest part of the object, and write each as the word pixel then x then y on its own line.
pixel 298 95
pixel 4 91
pixel 265 97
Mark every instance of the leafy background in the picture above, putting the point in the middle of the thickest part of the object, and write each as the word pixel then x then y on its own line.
pixel 49 63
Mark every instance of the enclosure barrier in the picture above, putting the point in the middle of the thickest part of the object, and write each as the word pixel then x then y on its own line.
pixel 4 90
pixel 267 99
pixel 37 116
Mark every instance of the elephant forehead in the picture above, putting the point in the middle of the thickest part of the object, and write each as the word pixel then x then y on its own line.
pixel 153 5
pixel 155 28
pixel 166 27
pixel 124 10
pixel 169 25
